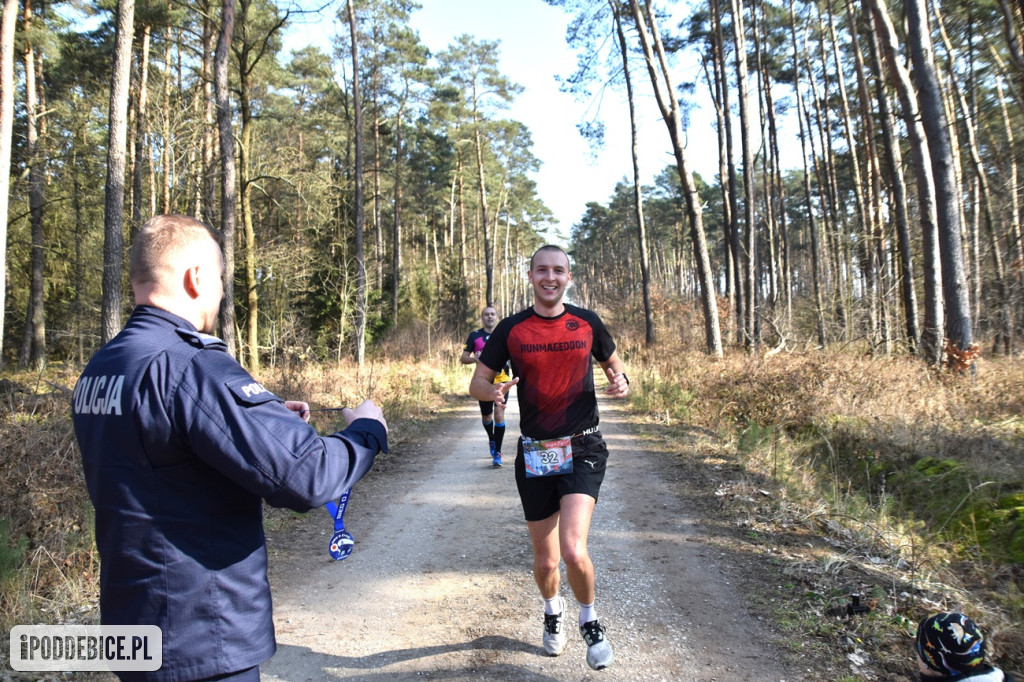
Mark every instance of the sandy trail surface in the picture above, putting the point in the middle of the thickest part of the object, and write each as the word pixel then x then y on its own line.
pixel 439 585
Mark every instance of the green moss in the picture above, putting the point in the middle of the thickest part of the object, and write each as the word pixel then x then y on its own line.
pixel 752 437
pixel 1001 526
pixel 930 466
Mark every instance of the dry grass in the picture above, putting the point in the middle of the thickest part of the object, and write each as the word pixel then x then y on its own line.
pixel 50 569
pixel 892 464
pixel 48 564
pixel 820 446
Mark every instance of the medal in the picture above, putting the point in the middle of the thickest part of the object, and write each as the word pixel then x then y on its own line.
pixel 342 541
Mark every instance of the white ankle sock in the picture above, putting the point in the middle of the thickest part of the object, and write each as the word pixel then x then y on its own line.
pixel 587 613
pixel 551 604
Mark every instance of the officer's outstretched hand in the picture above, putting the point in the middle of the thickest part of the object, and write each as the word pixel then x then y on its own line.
pixel 366 410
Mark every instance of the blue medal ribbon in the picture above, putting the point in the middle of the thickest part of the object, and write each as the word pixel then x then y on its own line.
pixel 342 541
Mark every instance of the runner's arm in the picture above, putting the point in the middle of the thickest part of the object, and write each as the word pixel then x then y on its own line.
pixel 615 370
pixel 482 388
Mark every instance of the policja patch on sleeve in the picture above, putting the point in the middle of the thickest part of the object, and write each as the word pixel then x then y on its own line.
pixel 250 392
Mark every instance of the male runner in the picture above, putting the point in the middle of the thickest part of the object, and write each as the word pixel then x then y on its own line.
pixel 494 426
pixel 561 456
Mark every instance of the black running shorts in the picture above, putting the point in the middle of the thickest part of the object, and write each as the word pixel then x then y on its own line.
pixel 541 496
pixel 486 408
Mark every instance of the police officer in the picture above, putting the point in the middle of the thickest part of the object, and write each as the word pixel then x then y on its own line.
pixel 180 445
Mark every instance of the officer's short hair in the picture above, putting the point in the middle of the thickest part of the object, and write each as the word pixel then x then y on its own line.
pixel 159 239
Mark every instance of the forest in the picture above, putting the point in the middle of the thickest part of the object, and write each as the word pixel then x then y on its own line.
pixel 378 192
pixel 844 330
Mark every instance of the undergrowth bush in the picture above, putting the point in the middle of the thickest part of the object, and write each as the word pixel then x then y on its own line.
pixel 914 475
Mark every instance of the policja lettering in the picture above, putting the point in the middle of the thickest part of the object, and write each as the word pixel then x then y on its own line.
pixel 253 389
pixel 99 395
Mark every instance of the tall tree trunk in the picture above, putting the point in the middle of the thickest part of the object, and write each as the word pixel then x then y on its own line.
pixel 1004 331
pixel 715 86
pixel 765 113
pixel 488 255
pixel 113 219
pixel 378 227
pixel 736 295
pixel 396 235
pixel 654 51
pixel 638 202
pixel 209 173
pixel 78 282
pixel 227 165
pixel 141 129
pixel 898 187
pixel 1012 190
pixel 865 249
pixel 833 215
pixel 750 297
pixel 33 347
pixel 779 192
pixel 959 333
pixel 252 294
pixel 819 316
pixel 879 244
pixel 462 214
pixel 167 154
pixel 8 25
pixel 934 310
pixel 357 172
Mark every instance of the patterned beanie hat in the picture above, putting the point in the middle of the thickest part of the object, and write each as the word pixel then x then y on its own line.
pixel 950 643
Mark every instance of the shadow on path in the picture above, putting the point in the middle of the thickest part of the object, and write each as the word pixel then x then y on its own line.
pixel 345 667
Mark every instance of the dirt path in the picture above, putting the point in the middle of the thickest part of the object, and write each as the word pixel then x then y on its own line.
pixel 439 585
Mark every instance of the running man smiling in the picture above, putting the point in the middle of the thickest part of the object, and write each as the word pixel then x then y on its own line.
pixel 561 456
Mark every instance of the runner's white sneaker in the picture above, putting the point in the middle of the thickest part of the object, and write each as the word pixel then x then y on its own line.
pixel 554 633
pixel 599 651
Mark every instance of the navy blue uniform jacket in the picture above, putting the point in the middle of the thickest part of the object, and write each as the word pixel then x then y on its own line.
pixel 180 445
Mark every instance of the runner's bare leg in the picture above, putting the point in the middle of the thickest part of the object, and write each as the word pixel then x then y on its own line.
pixel 544 536
pixel 564 535
pixel 574 529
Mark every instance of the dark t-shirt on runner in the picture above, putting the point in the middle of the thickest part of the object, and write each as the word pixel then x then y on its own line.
pixel 552 358
pixel 476 341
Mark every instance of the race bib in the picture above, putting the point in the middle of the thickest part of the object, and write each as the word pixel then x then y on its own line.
pixel 547 457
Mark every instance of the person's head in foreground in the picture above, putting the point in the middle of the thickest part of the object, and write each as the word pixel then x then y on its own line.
pixel 951 647
pixel 550 276
pixel 175 264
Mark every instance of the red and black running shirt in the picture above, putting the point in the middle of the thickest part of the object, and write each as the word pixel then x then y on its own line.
pixel 552 358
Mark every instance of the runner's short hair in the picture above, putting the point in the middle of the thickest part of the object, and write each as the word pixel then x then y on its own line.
pixel 549 247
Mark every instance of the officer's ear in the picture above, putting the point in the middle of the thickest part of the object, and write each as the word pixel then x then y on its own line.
pixel 191 282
